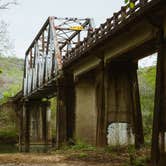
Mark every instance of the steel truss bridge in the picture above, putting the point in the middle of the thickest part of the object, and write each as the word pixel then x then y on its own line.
pixel 93 74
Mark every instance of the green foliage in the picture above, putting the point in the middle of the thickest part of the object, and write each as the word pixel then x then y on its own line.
pixel 81 155
pixel 8 137
pixel 8 130
pixel 147 78
pixel 8 148
pixel 11 77
pixel 138 161
pixel 11 83
pixel 130 3
pixel 53 117
pixel 83 146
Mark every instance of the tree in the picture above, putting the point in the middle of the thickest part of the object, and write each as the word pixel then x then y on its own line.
pixel 5 43
pixel 5 4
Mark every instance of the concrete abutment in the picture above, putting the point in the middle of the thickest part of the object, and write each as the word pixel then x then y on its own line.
pixel 34 126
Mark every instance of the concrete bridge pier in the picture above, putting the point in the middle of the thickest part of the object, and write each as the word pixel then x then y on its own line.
pixel 123 104
pixel 65 110
pixel 108 95
pixel 35 126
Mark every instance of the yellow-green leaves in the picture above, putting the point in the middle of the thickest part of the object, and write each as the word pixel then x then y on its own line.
pixel 131 4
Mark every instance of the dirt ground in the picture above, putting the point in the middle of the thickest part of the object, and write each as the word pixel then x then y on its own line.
pixel 56 159
pixel 49 160
pixel 72 158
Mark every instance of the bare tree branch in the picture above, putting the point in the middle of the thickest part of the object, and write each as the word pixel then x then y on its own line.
pixel 5 4
pixel 6 46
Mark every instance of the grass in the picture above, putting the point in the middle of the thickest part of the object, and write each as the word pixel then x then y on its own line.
pixel 121 155
pixel 8 148
pixel 8 137
pixel 83 146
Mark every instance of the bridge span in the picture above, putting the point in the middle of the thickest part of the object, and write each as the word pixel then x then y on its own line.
pixel 93 75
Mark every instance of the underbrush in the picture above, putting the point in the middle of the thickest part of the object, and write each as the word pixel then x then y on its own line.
pixel 8 148
pixel 122 155
pixel 8 137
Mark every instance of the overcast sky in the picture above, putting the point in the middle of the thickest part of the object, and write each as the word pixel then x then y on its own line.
pixel 26 19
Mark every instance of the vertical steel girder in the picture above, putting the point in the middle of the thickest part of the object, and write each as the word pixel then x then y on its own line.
pixel 45 55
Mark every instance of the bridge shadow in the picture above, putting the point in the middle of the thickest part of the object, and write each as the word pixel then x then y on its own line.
pixel 8 148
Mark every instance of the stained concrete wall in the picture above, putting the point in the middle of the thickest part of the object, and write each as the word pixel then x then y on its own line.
pixel 86 114
pixel 37 115
pixel 36 133
pixel 121 109
pixel 120 104
pixel 119 95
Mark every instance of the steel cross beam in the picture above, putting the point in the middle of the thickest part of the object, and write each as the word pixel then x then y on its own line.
pixel 45 55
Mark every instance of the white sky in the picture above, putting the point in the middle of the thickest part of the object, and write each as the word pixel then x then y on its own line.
pixel 26 19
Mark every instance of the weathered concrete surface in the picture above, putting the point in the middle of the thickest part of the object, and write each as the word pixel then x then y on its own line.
pixel 120 134
pixel 86 114
pixel 129 40
pixel 36 128
pixel 118 104
pixel 119 94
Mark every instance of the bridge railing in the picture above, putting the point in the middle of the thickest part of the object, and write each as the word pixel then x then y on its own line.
pixel 44 57
pixel 108 27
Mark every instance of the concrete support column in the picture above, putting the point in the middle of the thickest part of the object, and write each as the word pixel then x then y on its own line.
pixel 70 106
pixel 27 126
pixel 101 97
pixel 49 135
pixel 65 109
pixel 158 152
pixel 124 101
pixel 35 124
pixel 137 115
pixel 86 109
pixel 45 125
pixel 21 129
pixel 61 121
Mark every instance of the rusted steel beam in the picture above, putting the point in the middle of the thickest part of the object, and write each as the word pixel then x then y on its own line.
pixel 76 33
pixel 38 36
pixel 57 37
